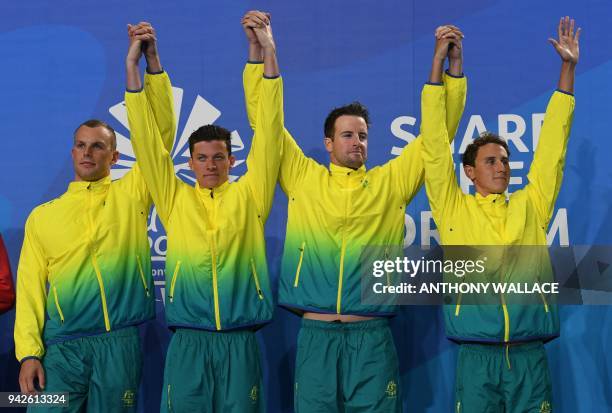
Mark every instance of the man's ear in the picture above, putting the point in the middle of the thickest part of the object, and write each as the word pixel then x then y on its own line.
pixel 232 160
pixel 329 144
pixel 190 164
pixel 115 157
pixel 469 172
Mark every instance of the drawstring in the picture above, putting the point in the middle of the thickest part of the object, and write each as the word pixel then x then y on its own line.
pixel 508 356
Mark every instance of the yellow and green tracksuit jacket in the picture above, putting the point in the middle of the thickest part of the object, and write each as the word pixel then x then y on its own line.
pixel 85 260
pixel 216 270
pixel 334 212
pixel 522 220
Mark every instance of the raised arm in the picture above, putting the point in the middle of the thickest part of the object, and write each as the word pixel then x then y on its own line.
pixel 264 156
pixel 546 171
pixel 293 162
pixel 153 158
pixel 440 181
pixel 407 170
pixel 32 276
pixel 156 83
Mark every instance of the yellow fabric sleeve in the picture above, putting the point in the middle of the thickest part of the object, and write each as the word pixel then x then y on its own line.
pixel 407 170
pixel 154 160
pixel 546 170
pixel 440 181
pixel 264 156
pixel 31 296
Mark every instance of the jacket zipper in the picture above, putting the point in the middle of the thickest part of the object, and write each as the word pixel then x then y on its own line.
pixel 505 309
pixel 259 292
pixel 342 253
pixel 57 305
pixel 142 276
pixel 299 266
pixel 215 280
pixel 458 306
pixel 94 262
pixel 173 283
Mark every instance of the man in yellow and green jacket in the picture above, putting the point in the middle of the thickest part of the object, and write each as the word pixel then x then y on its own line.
pixel 217 287
pixel 84 276
pixel 346 357
pixel 502 363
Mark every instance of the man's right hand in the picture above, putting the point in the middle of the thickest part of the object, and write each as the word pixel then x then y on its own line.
pixel 252 19
pixel 31 370
pixel 134 49
pixel 448 42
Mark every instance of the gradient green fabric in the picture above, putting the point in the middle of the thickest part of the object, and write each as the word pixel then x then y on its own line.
pixel 334 212
pixel 464 219
pixel 347 368
pixel 85 265
pixel 503 379
pixel 216 269
pixel 213 372
pixel 101 373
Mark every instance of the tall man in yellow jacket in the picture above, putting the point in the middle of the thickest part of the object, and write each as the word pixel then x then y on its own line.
pixel 84 276
pixel 502 364
pixel 346 358
pixel 217 291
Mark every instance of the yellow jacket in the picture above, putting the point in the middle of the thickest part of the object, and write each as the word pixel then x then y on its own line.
pixel 216 270
pixel 464 219
pixel 334 211
pixel 85 260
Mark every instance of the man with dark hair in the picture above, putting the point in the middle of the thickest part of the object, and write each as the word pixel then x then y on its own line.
pixel 469 156
pixel 346 358
pixel 352 109
pixel 7 291
pixel 217 287
pixel 502 362
pixel 84 276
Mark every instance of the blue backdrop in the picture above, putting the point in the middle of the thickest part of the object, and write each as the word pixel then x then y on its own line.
pixel 63 62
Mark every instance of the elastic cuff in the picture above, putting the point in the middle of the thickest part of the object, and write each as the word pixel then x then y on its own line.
pixel 271 77
pixel 434 83
pixel 154 73
pixel 255 62
pixel 28 358
pixel 462 75
pixel 565 92
pixel 133 91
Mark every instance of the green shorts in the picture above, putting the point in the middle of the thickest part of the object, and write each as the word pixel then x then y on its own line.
pixel 101 372
pixel 213 372
pixel 346 367
pixel 503 379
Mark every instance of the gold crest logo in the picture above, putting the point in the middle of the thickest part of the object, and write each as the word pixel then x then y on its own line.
pixel 129 398
pixel 391 389
pixel 253 394
pixel 545 407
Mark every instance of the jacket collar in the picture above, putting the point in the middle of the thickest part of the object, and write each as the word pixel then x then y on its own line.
pixel 498 199
pixel 337 170
pixel 214 192
pixel 99 185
